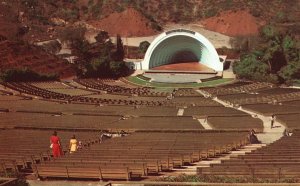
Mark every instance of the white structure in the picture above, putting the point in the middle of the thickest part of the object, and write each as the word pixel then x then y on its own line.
pixel 181 46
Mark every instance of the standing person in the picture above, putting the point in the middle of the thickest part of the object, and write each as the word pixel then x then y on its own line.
pixel 56 145
pixel 79 145
pixel 73 144
pixel 272 120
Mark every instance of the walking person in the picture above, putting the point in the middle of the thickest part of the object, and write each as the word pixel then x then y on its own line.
pixel 272 120
pixel 55 145
pixel 73 144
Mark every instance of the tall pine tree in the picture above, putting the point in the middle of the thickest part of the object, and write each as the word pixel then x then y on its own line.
pixel 119 54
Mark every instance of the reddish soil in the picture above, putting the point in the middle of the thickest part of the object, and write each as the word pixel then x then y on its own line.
pixel 186 66
pixel 128 23
pixel 8 22
pixel 16 55
pixel 233 23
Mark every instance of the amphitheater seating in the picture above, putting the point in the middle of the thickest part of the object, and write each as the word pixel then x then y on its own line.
pixel 237 88
pixel 267 94
pixel 211 111
pixel 186 92
pixel 279 160
pixel 104 85
pixel 276 98
pixel 141 154
pixel 60 87
pixel 5 92
pixel 160 140
pixel 41 106
pixel 269 109
pixel 33 90
pixel 291 121
pixel 24 119
pixel 30 89
pixel 194 101
pixel 235 122
pixel 20 149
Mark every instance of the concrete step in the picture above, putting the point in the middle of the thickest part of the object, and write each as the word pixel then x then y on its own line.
pixel 180 112
pixel 204 124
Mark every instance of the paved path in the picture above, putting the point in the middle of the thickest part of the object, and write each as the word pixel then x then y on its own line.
pixel 192 170
pixel 204 124
pixel 180 112
pixel 269 134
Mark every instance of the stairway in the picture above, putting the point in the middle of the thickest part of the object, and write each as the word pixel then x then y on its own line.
pixel 192 170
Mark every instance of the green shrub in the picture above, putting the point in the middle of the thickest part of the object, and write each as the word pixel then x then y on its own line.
pixel 210 12
pixel 24 75
pixel 144 46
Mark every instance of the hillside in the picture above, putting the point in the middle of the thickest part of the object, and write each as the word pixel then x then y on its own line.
pixel 141 17
pixel 233 23
pixel 127 23
pixel 9 23
pixel 19 55
pixel 31 21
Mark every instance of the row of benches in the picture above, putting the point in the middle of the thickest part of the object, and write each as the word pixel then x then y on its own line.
pixel 20 149
pixel 279 160
pixel 248 88
pixel 141 154
pixel 114 89
pixel 29 88
pixel 270 98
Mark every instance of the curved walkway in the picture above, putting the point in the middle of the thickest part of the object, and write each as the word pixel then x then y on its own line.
pixel 269 134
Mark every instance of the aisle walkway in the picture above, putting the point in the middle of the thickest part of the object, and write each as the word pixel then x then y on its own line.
pixel 269 134
pixel 192 170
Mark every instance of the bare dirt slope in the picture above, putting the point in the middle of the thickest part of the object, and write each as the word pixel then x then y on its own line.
pixel 233 23
pixel 8 21
pixel 127 23
pixel 18 55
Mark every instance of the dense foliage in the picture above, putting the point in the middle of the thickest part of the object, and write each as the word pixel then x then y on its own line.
pixel 100 59
pixel 24 75
pixel 144 46
pixel 276 58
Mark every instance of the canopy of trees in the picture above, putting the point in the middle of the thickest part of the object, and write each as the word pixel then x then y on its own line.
pixel 106 60
pixel 24 75
pixel 144 46
pixel 100 59
pixel 276 58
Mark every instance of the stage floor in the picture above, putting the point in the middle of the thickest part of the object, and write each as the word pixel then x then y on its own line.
pixel 178 77
pixel 186 66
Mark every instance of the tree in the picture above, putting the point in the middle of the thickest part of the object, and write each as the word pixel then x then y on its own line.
pixel 52 47
pixel 75 36
pixel 251 68
pixel 23 75
pixel 276 58
pixel 119 54
pixel 72 34
pixel 144 46
pixel 102 37
pixel 290 72
pixel 118 68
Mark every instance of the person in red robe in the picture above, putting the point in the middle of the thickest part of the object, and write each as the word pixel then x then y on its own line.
pixel 56 146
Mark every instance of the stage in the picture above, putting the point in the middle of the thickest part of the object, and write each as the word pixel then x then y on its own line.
pixel 187 72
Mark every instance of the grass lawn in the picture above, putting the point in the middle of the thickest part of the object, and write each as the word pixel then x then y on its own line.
pixel 142 82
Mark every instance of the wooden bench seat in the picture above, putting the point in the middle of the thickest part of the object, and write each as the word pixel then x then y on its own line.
pixel 102 173
pixel 137 168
